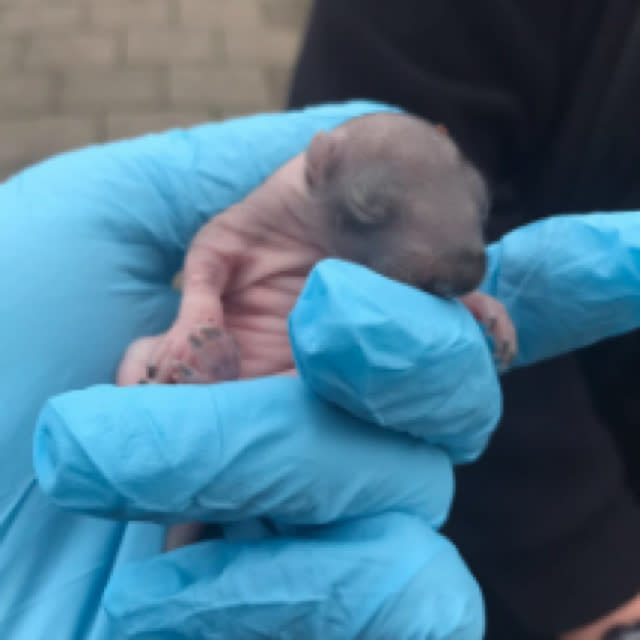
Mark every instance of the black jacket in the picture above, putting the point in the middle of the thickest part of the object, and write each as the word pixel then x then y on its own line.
pixel 542 95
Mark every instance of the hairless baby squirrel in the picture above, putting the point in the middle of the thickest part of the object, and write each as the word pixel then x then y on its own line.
pixel 389 191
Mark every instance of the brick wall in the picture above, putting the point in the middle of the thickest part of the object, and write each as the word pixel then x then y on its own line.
pixel 74 72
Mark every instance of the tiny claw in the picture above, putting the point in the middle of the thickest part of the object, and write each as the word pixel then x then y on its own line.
pixel 504 357
pixel 195 341
pixel 185 370
pixel 182 373
pixel 143 381
pixel 210 333
pixel 152 371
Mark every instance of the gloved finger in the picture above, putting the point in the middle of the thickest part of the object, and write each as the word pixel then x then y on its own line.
pixel 396 356
pixel 385 577
pixel 230 452
pixel 568 281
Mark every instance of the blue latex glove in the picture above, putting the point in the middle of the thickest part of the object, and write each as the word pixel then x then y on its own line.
pixel 88 244
pixel 568 281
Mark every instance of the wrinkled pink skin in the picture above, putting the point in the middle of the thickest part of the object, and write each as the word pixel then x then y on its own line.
pixel 242 276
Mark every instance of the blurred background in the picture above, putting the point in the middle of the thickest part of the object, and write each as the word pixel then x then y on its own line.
pixel 74 72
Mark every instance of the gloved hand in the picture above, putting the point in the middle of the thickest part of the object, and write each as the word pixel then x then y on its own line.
pixel 568 281
pixel 88 244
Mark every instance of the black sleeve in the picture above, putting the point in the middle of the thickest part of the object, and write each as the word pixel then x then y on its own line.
pixel 546 518
pixel 540 95
pixel 489 71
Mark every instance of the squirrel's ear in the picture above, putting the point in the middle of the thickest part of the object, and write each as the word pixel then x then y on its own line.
pixel 367 205
pixel 442 129
pixel 322 157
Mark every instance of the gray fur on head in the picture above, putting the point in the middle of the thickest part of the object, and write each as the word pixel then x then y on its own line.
pixel 395 193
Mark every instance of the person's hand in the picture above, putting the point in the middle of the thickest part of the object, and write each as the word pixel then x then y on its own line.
pixel 89 242
pixel 210 453
pixel 568 281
